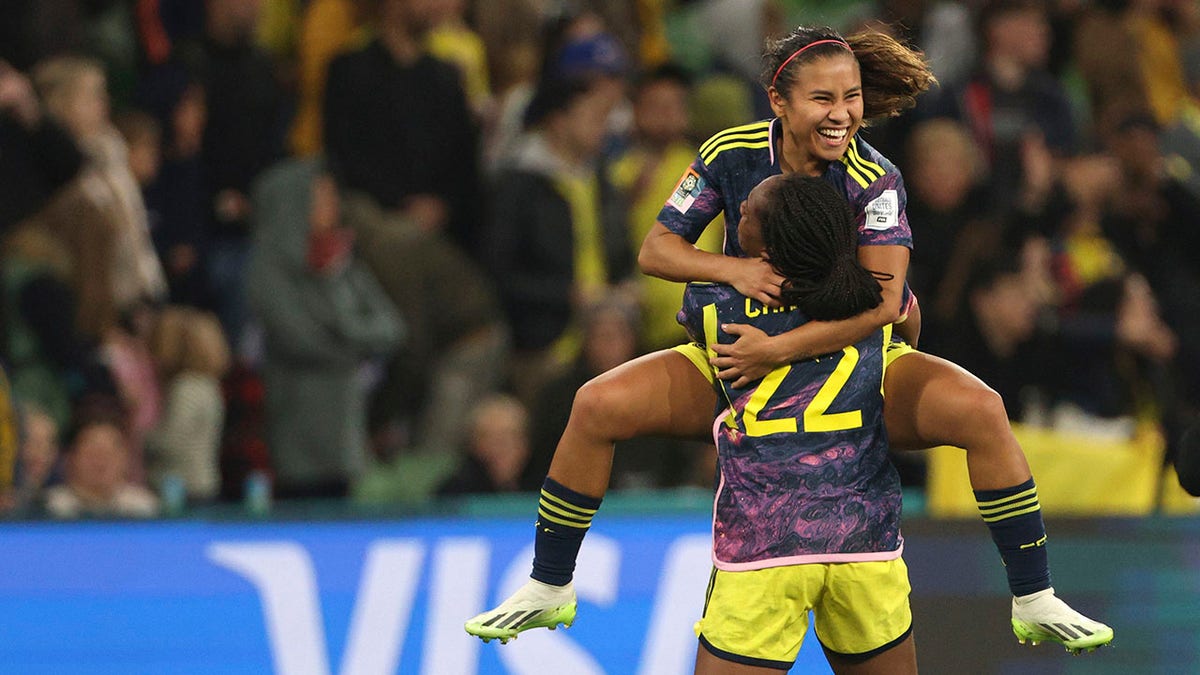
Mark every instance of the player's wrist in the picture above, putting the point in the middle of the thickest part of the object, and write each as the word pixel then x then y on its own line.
pixel 785 348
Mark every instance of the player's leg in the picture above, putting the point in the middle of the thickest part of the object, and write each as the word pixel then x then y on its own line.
pixel 663 393
pixel 929 401
pixel 864 621
pixel 659 394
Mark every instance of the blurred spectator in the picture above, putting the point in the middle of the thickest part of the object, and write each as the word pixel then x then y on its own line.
pixel 718 102
pixel 126 352
pixel 946 179
pixel 1012 99
pixel 943 31
pixel 453 41
pixel 84 230
pixel 73 89
pixel 1148 69
pixel 610 339
pixel 323 316
pixel 243 137
pixel 34 30
pixel 37 156
pixel 1106 54
pixel 96 464
pixel 36 460
pixel 625 20
pixel 734 50
pixel 659 154
pixel 327 28
pixel 1153 220
pixel 497 449
pixel 176 196
pixel 604 62
pixel 510 30
pixel 1110 340
pixel 456 348
pixel 47 356
pixel 1159 27
pixel 277 29
pixel 994 336
pixel 557 239
pixel 244 451
pixel 574 45
pixel 191 356
pixel 143 138
pixel 398 127
pixel 163 25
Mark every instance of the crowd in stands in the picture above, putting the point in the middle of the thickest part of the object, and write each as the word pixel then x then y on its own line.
pixel 370 248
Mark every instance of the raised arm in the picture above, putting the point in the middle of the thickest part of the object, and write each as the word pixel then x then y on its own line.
pixel 754 353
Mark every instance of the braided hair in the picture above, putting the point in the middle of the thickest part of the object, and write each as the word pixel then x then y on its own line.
pixel 893 74
pixel 809 237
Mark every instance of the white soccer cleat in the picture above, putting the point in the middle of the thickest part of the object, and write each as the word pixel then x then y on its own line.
pixel 534 605
pixel 1042 617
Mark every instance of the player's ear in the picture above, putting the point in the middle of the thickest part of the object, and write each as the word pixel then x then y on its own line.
pixel 778 101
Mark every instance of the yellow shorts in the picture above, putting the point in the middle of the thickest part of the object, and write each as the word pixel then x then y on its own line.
pixel 698 355
pixel 760 617
pixel 894 350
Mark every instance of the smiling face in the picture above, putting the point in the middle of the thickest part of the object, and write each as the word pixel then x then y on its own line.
pixel 821 111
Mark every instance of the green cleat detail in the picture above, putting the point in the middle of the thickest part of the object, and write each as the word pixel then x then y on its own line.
pixel 534 605
pixel 1042 617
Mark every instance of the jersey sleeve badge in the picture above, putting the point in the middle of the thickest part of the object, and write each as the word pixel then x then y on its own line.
pixel 690 187
pixel 883 211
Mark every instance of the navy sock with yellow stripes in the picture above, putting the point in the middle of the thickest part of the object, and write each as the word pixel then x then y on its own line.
pixel 1014 517
pixel 564 516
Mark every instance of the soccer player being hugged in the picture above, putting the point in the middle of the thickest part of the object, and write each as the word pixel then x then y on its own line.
pixel 807 512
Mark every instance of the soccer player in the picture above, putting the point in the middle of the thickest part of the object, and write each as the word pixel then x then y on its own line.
pixel 821 87
pixel 807 512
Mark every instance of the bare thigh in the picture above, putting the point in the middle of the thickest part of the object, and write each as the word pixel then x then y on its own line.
pixel 930 401
pixel 659 394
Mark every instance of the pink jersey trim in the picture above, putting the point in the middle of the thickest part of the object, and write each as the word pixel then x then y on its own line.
pixel 818 558
pixel 717 425
pixel 771 139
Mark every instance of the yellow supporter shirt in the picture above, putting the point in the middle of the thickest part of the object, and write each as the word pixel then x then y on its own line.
pixel 649 185
pixel 463 48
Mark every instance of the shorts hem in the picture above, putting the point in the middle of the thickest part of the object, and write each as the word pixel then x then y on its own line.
pixel 867 655
pixel 746 660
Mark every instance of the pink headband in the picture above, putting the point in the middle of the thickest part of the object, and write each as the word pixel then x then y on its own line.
pixel 800 51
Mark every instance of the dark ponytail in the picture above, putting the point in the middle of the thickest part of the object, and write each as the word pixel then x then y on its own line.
pixel 810 239
pixel 893 74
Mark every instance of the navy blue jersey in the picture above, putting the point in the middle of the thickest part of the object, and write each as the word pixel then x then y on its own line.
pixel 733 161
pixel 802 453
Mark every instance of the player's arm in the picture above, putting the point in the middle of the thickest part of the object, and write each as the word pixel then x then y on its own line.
pixel 754 354
pixel 667 255
pixel 909 329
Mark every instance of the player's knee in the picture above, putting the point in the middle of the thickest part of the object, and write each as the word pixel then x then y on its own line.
pixel 982 407
pixel 599 410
